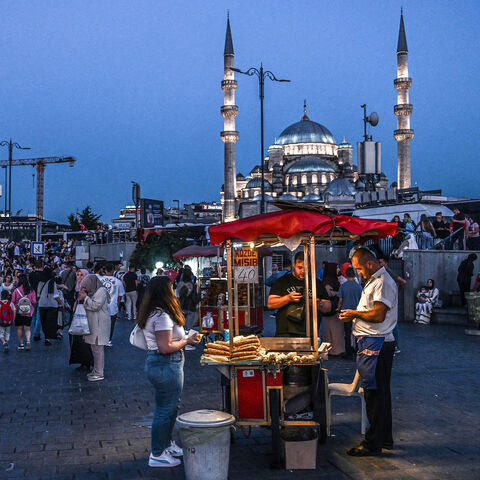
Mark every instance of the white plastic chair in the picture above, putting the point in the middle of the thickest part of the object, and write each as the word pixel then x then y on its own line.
pixel 348 390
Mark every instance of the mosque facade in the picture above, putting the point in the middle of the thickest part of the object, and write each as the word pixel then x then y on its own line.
pixel 305 164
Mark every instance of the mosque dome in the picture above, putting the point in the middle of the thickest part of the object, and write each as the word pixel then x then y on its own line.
pixel 311 197
pixel 288 197
pixel 257 183
pixel 340 186
pixel 258 198
pixel 311 164
pixel 305 131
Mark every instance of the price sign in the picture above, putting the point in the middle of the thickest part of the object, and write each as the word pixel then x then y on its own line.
pixel 245 265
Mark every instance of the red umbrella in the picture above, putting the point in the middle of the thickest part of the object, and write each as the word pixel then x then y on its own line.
pixel 289 222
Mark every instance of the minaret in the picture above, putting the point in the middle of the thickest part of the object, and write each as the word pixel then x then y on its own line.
pixel 403 110
pixel 229 135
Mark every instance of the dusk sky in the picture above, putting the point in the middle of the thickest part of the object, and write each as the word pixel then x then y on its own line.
pixel 131 89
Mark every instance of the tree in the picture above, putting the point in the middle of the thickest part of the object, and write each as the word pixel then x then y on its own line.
pixel 86 217
pixel 159 248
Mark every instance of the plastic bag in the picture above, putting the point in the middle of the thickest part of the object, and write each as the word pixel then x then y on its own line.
pixel 207 321
pixel 79 325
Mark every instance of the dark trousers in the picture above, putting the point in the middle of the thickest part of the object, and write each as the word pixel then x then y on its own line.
pixel 112 325
pixel 457 236
pixel 379 402
pixel 464 287
pixel 347 326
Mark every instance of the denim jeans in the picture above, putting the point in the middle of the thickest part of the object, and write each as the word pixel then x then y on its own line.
pixel 165 372
pixel 36 326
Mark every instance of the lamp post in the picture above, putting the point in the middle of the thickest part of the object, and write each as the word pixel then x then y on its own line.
pixel 136 200
pixel 178 210
pixel 10 144
pixel 262 75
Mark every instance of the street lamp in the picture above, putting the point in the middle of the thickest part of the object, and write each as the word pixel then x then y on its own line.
pixel 136 200
pixel 178 210
pixel 261 74
pixel 10 144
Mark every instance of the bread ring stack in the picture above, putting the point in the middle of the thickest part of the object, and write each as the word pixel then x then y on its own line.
pixel 218 351
pixel 245 348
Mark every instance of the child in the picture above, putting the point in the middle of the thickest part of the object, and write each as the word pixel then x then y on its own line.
pixel 7 315
pixel 423 295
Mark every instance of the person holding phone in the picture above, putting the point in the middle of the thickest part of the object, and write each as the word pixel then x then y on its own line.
pixel 288 297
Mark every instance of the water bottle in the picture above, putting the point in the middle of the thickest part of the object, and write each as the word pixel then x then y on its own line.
pixel 226 335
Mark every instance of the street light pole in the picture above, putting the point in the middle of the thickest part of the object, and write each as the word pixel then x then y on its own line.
pixel 261 74
pixel 10 144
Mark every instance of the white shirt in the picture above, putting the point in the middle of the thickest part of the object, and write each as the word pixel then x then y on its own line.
pixel 115 288
pixel 380 288
pixel 158 322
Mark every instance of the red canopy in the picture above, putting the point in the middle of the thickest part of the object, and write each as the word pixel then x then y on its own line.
pixel 286 223
pixel 193 251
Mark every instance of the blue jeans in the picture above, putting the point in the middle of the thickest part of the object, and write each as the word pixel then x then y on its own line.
pixel 165 372
pixel 36 327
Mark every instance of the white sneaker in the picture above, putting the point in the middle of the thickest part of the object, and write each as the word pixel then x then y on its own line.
pixel 164 460
pixel 190 347
pixel 174 450
pixel 95 378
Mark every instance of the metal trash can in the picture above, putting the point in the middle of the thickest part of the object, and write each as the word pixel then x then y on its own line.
pixel 473 306
pixel 205 438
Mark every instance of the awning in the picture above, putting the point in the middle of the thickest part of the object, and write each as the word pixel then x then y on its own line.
pixel 287 223
pixel 193 251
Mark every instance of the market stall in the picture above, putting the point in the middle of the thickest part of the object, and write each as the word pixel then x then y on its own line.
pixel 270 379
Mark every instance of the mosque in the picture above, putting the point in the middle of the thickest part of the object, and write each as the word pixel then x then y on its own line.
pixel 305 164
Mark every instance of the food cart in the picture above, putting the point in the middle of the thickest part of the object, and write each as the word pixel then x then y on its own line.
pixel 285 370
pixel 213 307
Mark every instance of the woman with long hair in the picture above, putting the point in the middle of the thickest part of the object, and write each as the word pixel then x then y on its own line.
pixel 80 352
pixel 8 283
pixel 332 326
pixel 24 299
pixel 427 233
pixel 161 319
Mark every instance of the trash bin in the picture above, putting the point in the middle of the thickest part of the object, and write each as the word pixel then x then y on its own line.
pixel 473 306
pixel 205 437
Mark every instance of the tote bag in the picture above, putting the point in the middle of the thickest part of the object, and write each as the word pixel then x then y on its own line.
pixel 79 325
pixel 137 338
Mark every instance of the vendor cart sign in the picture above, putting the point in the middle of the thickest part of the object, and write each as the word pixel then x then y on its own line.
pixel 245 265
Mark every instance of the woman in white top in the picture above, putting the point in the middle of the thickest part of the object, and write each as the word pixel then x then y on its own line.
pixel 8 284
pixel 161 319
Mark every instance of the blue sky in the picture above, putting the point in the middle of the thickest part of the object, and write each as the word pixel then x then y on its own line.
pixel 132 90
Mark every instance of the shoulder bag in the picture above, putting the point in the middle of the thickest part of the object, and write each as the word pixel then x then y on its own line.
pixel 137 338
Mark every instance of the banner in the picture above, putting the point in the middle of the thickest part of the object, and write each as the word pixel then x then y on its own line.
pixel 151 213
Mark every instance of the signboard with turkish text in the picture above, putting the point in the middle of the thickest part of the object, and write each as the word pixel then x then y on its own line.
pixel 38 249
pixel 245 265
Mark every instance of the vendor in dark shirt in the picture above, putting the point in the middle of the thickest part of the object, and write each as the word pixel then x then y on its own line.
pixel 289 290
pixel 442 229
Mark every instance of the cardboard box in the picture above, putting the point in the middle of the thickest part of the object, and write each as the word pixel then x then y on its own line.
pixel 299 446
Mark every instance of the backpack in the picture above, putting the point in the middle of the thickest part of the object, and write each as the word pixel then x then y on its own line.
pixel 24 305
pixel 6 314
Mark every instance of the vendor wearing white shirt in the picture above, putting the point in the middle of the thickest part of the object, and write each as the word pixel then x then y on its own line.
pixel 373 324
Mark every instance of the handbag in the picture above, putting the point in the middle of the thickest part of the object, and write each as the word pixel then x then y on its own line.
pixel 79 325
pixel 137 338
pixel 295 312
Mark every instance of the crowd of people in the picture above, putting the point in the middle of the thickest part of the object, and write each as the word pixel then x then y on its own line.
pixel 461 233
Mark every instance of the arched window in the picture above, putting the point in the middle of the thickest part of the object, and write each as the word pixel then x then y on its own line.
pixel 314 178
pixel 294 180
pixel 304 179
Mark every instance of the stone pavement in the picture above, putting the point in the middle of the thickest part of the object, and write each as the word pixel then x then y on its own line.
pixel 56 425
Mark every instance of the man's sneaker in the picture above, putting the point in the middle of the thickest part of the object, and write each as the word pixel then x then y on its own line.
pixel 164 460
pixel 21 346
pixel 174 450
pixel 5 347
pixel 95 378
pixel 109 344
pixel 397 350
pixel 28 346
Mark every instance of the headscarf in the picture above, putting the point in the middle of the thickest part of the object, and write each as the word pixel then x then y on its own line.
pixel 91 283
pixel 85 275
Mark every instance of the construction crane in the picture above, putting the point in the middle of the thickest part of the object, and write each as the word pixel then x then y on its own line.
pixel 40 164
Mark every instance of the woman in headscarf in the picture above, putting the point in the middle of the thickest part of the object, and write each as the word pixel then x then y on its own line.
pixel 332 327
pixel 48 302
pixel 80 352
pixel 95 300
